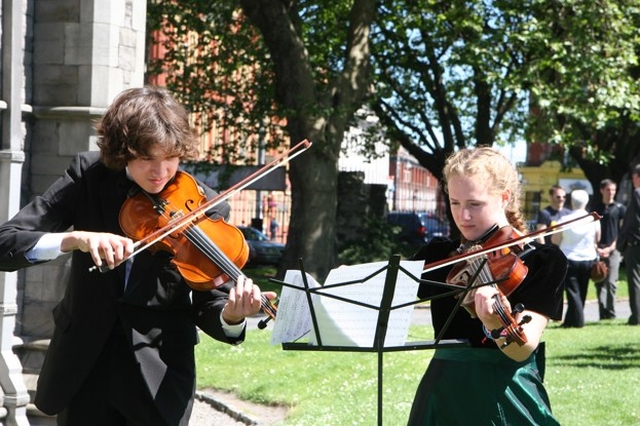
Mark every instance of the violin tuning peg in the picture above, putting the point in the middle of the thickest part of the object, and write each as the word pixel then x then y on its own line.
pixel 517 309
pixel 497 333
pixel 525 319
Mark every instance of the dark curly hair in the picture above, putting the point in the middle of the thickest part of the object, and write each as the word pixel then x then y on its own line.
pixel 139 121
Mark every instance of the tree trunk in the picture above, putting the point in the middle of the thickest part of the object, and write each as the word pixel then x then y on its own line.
pixel 319 112
pixel 312 232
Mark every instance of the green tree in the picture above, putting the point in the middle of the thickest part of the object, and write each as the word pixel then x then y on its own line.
pixel 314 57
pixel 588 84
pixel 210 60
pixel 440 75
pixel 463 73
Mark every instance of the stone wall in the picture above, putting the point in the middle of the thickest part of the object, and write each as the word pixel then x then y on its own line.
pixel 68 62
pixel 84 54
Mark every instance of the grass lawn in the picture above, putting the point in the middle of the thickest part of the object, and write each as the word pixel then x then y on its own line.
pixel 592 376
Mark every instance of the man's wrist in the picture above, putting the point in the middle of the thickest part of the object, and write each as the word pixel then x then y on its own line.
pixel 48 247
pixel 232 330
pixel 230 321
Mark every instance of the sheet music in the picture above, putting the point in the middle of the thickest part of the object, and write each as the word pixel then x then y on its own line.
pixel 294 317
pixel 341 323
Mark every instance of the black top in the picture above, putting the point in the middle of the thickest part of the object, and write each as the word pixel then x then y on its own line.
pixel 158 312
pixel 540 291
pixel 630 231
pixel 548 216
pixel 612 215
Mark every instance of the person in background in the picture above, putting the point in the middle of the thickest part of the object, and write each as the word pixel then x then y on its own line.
pixel 271 205
pixel 629 245
pixel 487 382
pixel 122 350
pixel 273 228
pixel 551 214
pixel 579 244
pixel 612 214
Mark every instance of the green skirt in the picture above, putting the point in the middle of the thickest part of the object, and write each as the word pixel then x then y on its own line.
pixel 470 386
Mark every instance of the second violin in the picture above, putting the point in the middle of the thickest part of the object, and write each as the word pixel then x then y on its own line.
pixel 503 270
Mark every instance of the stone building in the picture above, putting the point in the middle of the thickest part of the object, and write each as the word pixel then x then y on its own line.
pixel 63 61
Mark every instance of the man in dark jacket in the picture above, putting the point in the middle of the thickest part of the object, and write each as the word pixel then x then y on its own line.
pixel 122 349
pixel 612 214
pixel 629 244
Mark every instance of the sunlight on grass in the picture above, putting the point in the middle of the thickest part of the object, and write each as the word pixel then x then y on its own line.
pixel 331 388
pixel 593 374
pixel 592 377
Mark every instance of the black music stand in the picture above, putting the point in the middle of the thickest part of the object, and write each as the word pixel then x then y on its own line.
pixel 392 269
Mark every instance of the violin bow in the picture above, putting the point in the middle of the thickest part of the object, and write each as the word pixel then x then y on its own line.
pixel 588 218
pixel 185 220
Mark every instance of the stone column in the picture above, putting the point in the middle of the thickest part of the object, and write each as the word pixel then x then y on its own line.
pixel 85 52
pixel 14 390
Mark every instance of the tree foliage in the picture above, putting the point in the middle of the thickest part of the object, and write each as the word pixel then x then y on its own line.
pixel 446 75
pixel 583 80
pixel 214 62
pixel 313 61
pixel 479 72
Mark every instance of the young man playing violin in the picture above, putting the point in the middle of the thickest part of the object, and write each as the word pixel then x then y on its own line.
pixel 497 378
pixel 123 346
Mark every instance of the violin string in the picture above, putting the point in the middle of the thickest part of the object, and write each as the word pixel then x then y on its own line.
pixel 486 276
pixel 201 241
pixel 209 249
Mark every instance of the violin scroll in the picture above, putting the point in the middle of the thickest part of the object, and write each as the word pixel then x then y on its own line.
pixel 511 330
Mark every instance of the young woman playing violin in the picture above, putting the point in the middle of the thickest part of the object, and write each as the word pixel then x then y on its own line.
pixel 122 349
pixel 497 379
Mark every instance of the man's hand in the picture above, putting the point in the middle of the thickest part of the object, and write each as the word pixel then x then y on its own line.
pixel 245 299
pixel 103 247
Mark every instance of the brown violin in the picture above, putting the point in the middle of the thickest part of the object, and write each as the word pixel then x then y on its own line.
pixel 520 240
pixel 204 249
pixel 502 269
pixel 207 252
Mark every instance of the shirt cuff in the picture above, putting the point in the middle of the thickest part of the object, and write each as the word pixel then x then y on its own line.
pixel 47 248
pixel 234 330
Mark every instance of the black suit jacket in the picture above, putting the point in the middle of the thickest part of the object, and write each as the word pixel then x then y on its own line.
pixel 157 312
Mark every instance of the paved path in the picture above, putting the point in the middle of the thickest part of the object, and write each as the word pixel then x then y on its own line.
pixel 422 314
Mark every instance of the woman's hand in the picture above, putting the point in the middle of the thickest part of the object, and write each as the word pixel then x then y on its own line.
pixel 485 299
pixel 102 246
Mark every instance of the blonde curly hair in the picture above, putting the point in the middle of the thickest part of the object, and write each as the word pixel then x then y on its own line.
pixel 496 171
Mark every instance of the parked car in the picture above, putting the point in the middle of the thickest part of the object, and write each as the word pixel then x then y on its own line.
pixel 417 228
pixel 434 226
pixel 262 251
pixel 409 227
